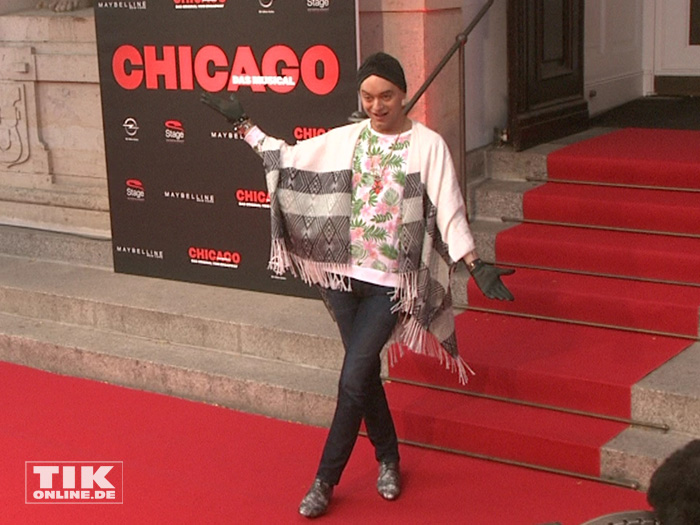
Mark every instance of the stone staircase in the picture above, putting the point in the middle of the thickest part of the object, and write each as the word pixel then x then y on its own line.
pixel 670 395
pixel 63 309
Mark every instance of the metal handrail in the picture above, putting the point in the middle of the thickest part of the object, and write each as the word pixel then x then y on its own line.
pixel 460 41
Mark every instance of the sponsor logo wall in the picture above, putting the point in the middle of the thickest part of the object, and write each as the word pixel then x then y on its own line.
pixel 188 201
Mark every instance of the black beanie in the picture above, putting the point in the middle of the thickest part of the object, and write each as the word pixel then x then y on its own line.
pixel 384 66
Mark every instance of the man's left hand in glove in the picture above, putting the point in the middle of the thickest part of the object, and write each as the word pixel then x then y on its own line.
pixel 488 279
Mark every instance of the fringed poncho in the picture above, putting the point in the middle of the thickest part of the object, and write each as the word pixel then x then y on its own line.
pixel 310 186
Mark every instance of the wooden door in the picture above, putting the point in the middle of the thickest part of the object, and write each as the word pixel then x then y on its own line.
pixel 677 57
pixel 545 70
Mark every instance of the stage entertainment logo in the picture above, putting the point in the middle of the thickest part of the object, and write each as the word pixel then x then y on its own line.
pixel 133 5
pixel 189 196
pixel 211 257
pixel 199 4
pixel 74 482
pixel 174 131
pixel 135 190
pixel 318 5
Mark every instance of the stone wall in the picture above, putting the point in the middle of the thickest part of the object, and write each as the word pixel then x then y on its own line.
pixel 52 162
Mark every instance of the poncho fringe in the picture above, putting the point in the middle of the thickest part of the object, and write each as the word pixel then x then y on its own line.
pixel 318 167
pixel 408 333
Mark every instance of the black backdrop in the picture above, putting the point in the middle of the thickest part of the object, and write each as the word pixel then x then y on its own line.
pixel 187 200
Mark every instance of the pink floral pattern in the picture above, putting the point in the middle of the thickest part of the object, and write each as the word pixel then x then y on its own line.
pixel 379 176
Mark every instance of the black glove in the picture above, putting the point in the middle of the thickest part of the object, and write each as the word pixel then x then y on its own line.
pixel 231 108
pixel 488 278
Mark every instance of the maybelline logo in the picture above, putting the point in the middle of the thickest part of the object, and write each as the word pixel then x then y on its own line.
pixel 187 196
pixel 199 4
pixel 141 252
pixel 131 128
pixel 227 134
pixel 141 4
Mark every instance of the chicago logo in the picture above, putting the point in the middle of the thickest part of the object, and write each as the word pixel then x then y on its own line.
pixel 211 257
pixel 179 67
pixel 135 190
pixel 199 4
pixel 301 133
pixel 253 198
pixel 74 482
pixel 174 131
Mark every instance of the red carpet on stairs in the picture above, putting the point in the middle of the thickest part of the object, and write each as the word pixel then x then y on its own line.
pixel 654 210
pixel 655 157
pixel 564 365
pixel 608 252
pixel 190 463
pixel 558 363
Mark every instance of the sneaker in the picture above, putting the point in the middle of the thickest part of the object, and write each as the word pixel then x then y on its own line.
pixel 389 480
pixel 315 503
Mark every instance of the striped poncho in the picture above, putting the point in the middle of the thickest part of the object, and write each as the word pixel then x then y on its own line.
pixel 310 186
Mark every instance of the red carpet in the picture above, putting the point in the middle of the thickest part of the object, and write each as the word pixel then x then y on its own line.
pixel 656 157
pixel 186 462
pixel 551 363
pixel 609 252
pixel 648 306
pixel 655 210
pixel 565 365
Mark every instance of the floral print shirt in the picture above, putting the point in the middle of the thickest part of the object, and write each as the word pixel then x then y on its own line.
pixel 379 176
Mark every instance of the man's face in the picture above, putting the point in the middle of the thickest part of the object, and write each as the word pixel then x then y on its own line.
pixel 383 103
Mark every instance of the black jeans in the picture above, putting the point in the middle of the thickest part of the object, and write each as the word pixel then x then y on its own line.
pixel 366 322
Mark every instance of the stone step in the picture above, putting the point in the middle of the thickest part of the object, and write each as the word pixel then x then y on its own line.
pixel 55 218
pixel 504 163
pixel 288 329
pixel 252 384
pixel 636 453
pixel 501 198
pixel 671 394
pixel 91 195
pixel 90 322
pixel 86 249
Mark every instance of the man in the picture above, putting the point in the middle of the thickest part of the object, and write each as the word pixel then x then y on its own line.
pixel 372 213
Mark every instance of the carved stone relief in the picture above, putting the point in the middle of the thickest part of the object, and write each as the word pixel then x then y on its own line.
pixel 14 138
pixel 24 158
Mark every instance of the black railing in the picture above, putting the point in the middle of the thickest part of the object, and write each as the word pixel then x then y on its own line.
pixel 458 45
